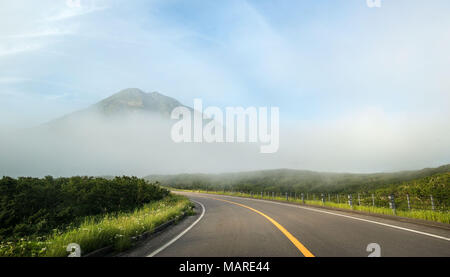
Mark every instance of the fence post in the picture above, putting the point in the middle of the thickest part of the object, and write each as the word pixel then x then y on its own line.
pixel 432 202
pixel 373 200
pixel 409 203
pixel 350 200
pixel 392 202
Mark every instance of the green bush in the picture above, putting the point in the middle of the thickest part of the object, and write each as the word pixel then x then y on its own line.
pixel 116 229
pixel 34 207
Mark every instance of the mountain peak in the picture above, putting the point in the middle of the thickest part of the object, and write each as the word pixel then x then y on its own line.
pixel 129 92
pixel 124 96
pixel 125 102
pixel 136 100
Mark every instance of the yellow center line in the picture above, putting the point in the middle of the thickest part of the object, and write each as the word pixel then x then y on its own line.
pixel 294 240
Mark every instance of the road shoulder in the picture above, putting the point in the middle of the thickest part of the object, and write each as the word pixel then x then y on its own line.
pixel 146 247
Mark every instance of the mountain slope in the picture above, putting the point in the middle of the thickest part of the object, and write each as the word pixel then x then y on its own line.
pixel 135 100
pixel 295 180
pixel 130 101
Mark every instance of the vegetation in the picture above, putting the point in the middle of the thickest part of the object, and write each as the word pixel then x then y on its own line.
pixel 418 185
pixel 429 197
pixel 286 180
pixel 40 217
pixel 438 215
pixel 34 207
pixel 115 229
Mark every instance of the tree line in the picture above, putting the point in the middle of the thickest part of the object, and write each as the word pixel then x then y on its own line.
pixel 381 185
pixel 36 206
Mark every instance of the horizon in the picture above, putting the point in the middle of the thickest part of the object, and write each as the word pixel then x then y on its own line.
pixel 294 169
pixel 359 89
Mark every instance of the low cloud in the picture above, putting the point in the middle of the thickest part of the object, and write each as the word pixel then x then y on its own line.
pixel 368 141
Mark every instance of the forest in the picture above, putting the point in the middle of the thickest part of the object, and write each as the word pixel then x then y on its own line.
pixel 31 207
pixel 418 185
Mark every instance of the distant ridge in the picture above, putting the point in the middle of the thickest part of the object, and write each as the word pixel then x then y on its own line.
pixel 134 99
pixel 289 179
pixel 125 102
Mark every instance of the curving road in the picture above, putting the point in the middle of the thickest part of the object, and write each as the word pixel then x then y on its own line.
pixel 238 227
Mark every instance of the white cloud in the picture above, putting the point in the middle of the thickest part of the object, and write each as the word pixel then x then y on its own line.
pixel 72 12
pixel 39 34
pixel 7 50
pixel 367 90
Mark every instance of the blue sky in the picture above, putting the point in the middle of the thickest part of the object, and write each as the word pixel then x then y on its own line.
pixel 358 82
pixel 314 59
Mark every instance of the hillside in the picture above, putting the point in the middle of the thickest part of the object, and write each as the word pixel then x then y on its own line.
pixel 127 102
pixel 282 180
pixel 135 100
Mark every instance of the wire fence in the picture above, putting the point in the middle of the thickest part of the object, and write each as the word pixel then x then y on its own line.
pixel 395 201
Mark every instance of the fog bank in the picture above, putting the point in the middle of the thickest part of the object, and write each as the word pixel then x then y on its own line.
pixel 366 141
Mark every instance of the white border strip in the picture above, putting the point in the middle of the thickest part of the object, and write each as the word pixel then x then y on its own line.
pixel 337 214
pixel 181 234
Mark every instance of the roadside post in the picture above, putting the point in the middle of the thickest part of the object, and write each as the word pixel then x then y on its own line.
pixel 287 197
pixel 432 202
pixel 303 198
pixel 373 200
pixel 392 203
pixel 409 203
pixel 359 199
pixel 350 200
pixel 322 197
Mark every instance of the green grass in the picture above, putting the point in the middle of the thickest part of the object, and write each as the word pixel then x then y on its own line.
pixel 95 233
pixel 438 216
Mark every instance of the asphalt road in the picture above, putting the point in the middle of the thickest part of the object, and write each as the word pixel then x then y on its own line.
pixel 237 227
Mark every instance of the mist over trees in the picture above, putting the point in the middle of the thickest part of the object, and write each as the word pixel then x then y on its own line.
pixel 286 180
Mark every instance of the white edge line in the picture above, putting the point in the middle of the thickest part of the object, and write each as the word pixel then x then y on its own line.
pixel 181 234
pixel 336 214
